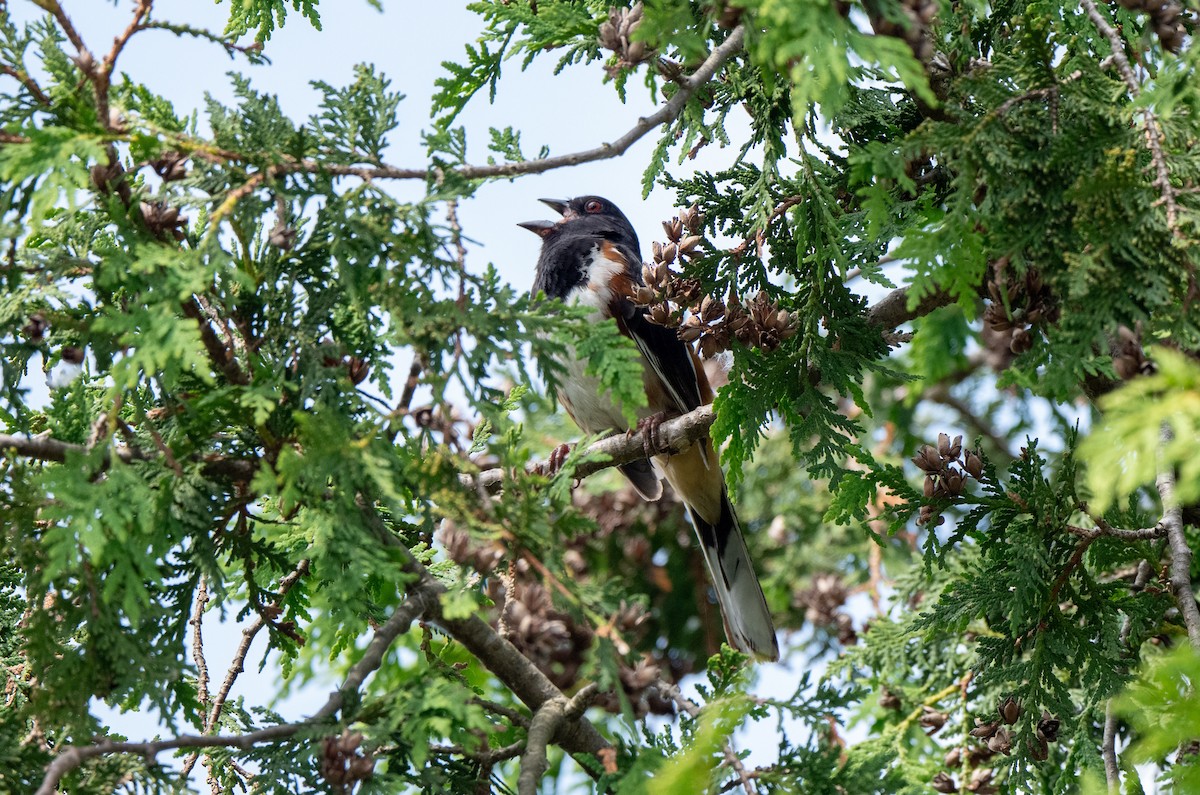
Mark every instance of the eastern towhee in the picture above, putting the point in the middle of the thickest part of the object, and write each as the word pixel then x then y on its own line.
pixel 591 257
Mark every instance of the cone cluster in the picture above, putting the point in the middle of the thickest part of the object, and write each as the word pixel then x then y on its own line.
pixel 680 302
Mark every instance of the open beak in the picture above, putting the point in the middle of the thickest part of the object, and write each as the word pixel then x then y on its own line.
pixel 539 228
pixel 556 205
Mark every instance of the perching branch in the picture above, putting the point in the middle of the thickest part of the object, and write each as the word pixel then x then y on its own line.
pixel 676 435
pixel 679 433
pixel 1181 553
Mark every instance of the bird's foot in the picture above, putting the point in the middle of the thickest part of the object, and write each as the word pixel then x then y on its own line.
pixel 558 456
pixel 652 441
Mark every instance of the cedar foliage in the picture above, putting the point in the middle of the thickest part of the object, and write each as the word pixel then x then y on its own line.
pixel 288 379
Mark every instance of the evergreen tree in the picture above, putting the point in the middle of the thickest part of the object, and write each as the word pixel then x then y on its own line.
pixel 300 411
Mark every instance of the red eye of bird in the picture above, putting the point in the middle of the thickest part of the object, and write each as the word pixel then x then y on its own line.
pixel 593 206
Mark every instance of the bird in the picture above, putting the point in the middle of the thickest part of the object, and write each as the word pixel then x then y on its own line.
pixel 591 257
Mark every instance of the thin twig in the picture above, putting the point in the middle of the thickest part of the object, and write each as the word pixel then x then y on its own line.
pixel 30 84
pixel 198 643
pixel 780 209
pixel 893 310
pixel 236 666
pixel 1072 563
pixel 419 601
pixel 230 336
pixel 1181 553
pixel 485 758
pixel 239 658
pixel 1112 771
pixel 668 112
pixel 692 709
pixel 45 448
pixel 744 777
pixel 513 715
pixel 137 23
pixel 1107 531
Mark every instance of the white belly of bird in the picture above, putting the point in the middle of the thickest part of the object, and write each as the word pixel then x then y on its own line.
pixel 589 404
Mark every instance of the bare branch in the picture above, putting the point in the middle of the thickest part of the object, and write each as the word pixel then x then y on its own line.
pixel 1112 771
pixel 668 112
pixel 45 448
pixel 679 433
pixel 198 643
pixel 542 728
pixel 68 28
pixel 248 634
pixel 419 601
pixel 140 12
pixel 1181 553
pixel 485 758
pixel 744 777
pixel 1141 534
pixel 893 310
pixel 30 84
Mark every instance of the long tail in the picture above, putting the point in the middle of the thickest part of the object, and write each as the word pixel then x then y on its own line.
pixel 748 623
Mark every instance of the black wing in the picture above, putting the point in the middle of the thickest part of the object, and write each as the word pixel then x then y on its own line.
pixel 669 356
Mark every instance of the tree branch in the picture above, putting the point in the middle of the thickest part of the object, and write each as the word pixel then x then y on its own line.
pixel 516 671
pixel 679 433
pixel 137 23
pixel 892 310
pixel 1105 529
pixel 1112 771
pixel 237 665
pixel 1181 553
pixel 513 669
pixel 420 600
pixel 542 728
pixel 676 434
pixel 30 84
pixel 667 113
pixel 45 448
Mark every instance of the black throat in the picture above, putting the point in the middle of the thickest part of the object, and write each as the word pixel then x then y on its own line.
pixel 567 251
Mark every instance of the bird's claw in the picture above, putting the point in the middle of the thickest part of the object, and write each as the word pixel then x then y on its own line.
pixel 558 457
pixel 652 441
